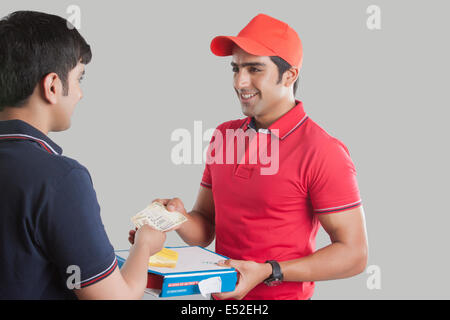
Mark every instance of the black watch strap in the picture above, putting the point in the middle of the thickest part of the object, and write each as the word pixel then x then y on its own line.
pixel 276 275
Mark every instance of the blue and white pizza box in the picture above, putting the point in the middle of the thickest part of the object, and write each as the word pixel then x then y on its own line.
pixel 195 265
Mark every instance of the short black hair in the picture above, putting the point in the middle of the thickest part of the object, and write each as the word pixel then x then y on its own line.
pixel 283 66
pixel 32 45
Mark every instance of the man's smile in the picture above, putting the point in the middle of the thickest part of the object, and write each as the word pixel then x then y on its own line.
pixel 247 96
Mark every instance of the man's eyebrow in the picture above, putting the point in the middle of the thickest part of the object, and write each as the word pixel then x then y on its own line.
pixel 248 64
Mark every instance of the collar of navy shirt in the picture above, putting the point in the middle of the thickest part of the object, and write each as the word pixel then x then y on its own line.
pixel 23 130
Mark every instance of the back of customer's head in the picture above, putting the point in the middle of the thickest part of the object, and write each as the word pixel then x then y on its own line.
pixel 32 45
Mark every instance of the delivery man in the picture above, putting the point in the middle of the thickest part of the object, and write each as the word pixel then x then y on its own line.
pixel 267 223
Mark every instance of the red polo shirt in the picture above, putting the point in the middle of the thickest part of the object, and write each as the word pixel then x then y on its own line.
pixel 273 216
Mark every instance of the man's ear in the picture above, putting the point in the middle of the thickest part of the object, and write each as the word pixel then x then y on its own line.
pixel 290 76
pixel 51 88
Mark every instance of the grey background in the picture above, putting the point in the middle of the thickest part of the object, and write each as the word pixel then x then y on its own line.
pixel 383 93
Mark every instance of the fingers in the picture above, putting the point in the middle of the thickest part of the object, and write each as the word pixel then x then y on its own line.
pixel 223 263
pixel 174 204
pixel 232 294
pixel 162 201
pixel 235 294
pixel 131 236
pixel 248 278
pixel 150 237
pixel 227 295
pixel 230 263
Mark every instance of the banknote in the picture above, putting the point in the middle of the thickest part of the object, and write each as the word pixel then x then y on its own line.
pixel 157 216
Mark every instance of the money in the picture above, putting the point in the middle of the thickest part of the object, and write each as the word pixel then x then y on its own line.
pixel 157 216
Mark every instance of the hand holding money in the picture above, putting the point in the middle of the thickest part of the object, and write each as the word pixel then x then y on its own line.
pixel 157 216
pixel 150 238
pixel 174 205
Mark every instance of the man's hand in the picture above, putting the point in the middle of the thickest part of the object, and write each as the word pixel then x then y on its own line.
pixel 131 236
pixel 174 204
pixel 148 237
pixel 199 229
pixel 250 275
pixel 129 282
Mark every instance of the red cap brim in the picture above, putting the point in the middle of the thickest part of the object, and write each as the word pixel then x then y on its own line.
pixel 223 46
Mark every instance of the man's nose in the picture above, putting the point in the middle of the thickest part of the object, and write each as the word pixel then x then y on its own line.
pixel 241 79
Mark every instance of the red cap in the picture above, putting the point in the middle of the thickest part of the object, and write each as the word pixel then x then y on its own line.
pixel 263 36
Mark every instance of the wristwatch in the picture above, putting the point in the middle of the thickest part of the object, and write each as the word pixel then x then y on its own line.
pixel 276 277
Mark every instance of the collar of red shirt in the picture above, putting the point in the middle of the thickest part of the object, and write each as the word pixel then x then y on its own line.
pixel 286 124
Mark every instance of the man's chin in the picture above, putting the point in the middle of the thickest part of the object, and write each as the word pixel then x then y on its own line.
pixel 247 110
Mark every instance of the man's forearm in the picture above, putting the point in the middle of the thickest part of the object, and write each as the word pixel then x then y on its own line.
pixel 135 269
pixel 197 231
pixel 335 261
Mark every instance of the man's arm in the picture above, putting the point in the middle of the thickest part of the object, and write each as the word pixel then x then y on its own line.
pixel 199 230
pixel 131 280
pixel 346 256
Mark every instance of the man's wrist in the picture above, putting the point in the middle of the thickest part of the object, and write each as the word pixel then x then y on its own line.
pixel 144 247
pixel 183 229
pixel 266 270
pixel 276 277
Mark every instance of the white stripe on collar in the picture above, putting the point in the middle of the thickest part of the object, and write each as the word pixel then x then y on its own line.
pixel 30 137
pixel 294 127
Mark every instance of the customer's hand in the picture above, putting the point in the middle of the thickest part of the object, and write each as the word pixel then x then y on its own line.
pixel 149 237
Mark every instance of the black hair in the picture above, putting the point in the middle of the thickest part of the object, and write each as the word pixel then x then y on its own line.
pixel 32 45
pixel 283 66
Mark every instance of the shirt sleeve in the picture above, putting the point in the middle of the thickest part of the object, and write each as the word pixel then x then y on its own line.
pixel 72 233
pixel 206 179
pixel 333 186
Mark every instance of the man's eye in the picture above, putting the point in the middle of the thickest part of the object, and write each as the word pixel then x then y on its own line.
pixel 235 69
pixel 79 80
pixel 253 69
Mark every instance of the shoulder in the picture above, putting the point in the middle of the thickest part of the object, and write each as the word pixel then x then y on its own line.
pixel 321 142
pixel 71 172
pixel 62 165
pixel 53 169
pixel 72 164
pixel 33 166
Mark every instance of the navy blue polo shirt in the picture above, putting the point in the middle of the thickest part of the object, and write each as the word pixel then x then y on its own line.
pixel 50 225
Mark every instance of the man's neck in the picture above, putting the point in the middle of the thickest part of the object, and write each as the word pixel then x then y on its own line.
pixel 281 109
pixel 28 115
